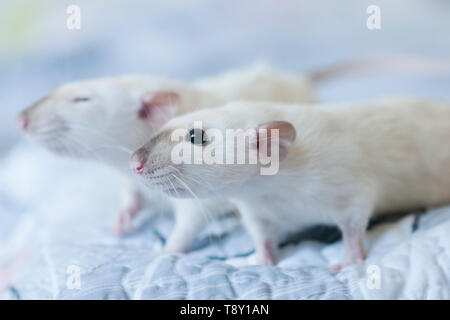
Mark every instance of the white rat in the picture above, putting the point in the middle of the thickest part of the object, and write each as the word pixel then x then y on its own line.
pixel 339 164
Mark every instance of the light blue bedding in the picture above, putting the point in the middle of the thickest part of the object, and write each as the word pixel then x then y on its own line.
pixel 63 229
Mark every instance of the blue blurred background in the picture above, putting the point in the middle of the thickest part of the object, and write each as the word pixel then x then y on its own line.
pixel 186 39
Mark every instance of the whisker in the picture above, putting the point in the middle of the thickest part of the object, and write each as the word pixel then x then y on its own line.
pixel 205 212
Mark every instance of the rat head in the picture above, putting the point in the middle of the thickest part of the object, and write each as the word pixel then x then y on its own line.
pixel 213 151
pixel 101 118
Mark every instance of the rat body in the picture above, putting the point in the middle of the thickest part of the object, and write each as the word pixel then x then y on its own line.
pixel 106 119
pixel 338 164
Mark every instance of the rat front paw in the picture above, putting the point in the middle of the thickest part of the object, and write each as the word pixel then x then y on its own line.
pixel 266 254
pixel 125 217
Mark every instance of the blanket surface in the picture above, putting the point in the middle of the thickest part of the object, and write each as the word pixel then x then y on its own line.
pixel 57 218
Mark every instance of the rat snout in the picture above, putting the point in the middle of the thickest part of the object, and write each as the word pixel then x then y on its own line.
pixel 23 120
pixel 138 161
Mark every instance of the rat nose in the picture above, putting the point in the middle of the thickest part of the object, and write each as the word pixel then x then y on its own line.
pixel 23 121
pixel 138 161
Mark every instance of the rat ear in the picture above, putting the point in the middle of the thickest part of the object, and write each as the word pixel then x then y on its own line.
pixel 159 107
pixel 286 136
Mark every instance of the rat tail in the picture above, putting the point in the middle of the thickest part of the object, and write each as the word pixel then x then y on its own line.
pixel 404 64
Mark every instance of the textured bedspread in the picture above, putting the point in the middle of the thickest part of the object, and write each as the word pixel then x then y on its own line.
pixel 56 219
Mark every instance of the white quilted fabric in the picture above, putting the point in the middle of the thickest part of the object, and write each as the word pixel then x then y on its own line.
pixel 57 215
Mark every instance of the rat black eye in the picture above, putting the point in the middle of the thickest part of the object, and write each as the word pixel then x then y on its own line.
pixel 81 99
pixel 197 136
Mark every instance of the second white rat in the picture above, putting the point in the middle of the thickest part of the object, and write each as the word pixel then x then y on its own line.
pixel 106 119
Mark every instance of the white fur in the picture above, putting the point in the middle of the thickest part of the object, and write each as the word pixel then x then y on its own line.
pixel 347 163
pixel 107 128
pixel 259 82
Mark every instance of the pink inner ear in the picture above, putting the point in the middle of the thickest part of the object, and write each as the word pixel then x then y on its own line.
pixel 286 132
pixel 159 107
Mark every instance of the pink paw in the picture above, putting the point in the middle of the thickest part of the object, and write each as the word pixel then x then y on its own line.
pixel 266 255
pixel 339 267
pixel 124 220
